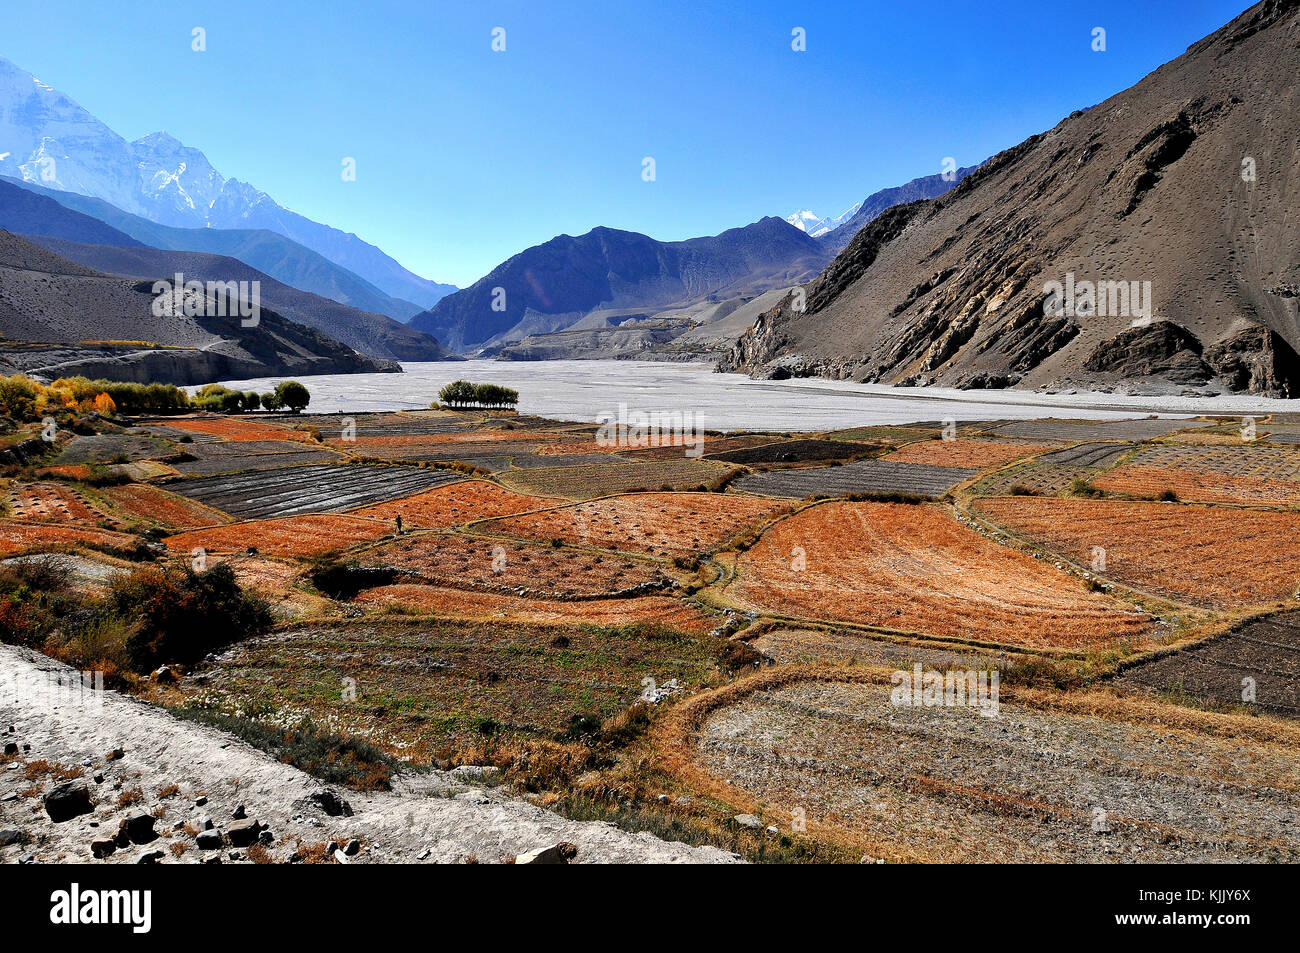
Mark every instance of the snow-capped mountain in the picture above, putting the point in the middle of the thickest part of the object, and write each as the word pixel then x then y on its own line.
pixel 49 139
pixel 815 225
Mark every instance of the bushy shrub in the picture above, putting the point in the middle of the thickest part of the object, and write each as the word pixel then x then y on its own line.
pixel 182 616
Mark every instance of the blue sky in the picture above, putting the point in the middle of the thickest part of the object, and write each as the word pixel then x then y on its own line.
pixel 466 156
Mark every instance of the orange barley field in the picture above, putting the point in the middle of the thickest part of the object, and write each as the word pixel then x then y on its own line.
pixel 234 428
pixel 916 569
pixel 53 502
pixel 1136 480
pixel 487 606
pixel 976 454
pixel 454 504
pixel 15 537
pixel 660 524
pixel 1201 555
pixel 440 439
pixel 494 563
pixel 312 535
pixel 144 502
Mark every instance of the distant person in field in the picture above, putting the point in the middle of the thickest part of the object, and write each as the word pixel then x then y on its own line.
pixel 399 525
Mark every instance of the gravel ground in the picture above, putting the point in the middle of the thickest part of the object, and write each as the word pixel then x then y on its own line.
pixel 948 784
pixel 436 817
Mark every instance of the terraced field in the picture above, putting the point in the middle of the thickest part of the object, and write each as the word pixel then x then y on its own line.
pixel 587 482
pixel 444 689
pixel 1073 431
pixel 1204 556
pixel 794 451
pixel 1255 667
pixel 314 488
pixel 454 505
pixel 1033 479
pixel 151 504
pixel 1100 782
pixel 235 456
pixel 971 454
pixel 229 428
pixel 113 448
pixel 1248 474
pixel 916 569
pixel 461 560
pixel 451 603
pixel 300 536
pixel 666 525
pixel 862 476
pixel 18 537
pixel 52 502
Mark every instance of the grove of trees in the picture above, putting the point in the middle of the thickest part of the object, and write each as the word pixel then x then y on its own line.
pixel 466 394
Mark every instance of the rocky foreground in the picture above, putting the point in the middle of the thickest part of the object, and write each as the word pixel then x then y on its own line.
pixel 102 778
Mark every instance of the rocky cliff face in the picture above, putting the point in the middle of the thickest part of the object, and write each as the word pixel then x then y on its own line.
pixel 1146 243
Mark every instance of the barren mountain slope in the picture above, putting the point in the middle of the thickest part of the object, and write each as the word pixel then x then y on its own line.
pixel 1153 185
pixel 56 310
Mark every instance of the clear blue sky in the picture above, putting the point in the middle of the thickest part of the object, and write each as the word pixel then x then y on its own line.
pixel 466 156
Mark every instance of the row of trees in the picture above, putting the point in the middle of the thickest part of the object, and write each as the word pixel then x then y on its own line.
pixel 288 395
pixel 22 398
pixel 466 394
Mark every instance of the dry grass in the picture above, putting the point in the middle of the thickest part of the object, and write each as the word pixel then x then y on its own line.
pixel 976 454
pixel 1225 558
pixel 449 603
pixel 667 525
pixel 453 505
pixel 312 535
pixel 916 569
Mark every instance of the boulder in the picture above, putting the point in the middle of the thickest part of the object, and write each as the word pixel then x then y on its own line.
pixel 748 821
pixel 66 801
pixel 208 840
pixel 331 803
pixel 138 828
pixel 560 853
pixel 244 833
pixel 101 847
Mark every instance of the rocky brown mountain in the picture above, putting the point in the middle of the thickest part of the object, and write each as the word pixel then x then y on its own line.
pixel 1147 243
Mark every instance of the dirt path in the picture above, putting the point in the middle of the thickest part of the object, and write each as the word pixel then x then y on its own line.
pixel 431 818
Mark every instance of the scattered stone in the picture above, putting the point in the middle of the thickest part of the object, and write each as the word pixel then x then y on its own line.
pixel 212 859
pixel 560 853
pixel 208 840
pixel 352 847
pixel 331 847
pixel 244 833
pixel 115 754
pixel 163 675
pixel 151 857
pixel 11 747
pixel 200 800
pixel 240 813
pixel 748 821
pixel 330 802
pixel 138 828
pixel 101 847
pixel 66 801
pixel 11 835
pixel 99 778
